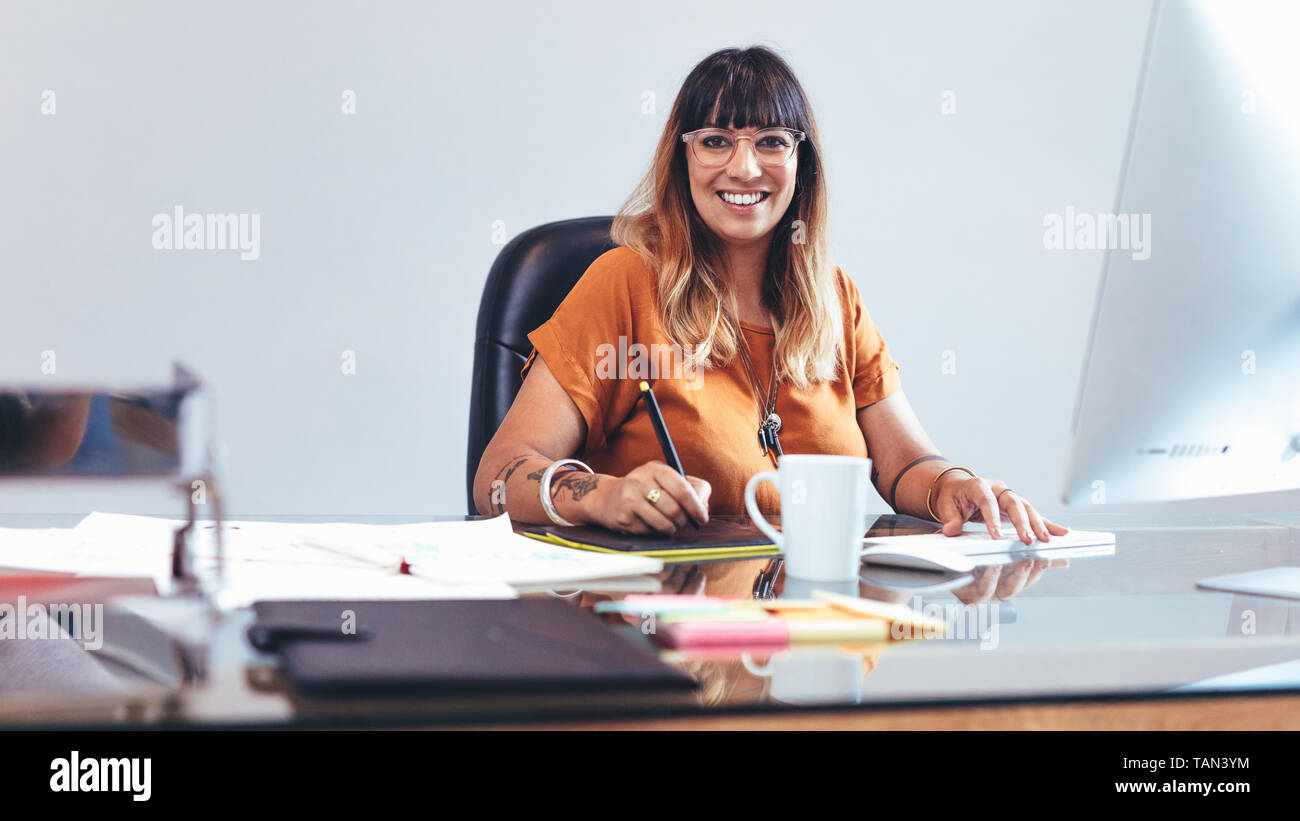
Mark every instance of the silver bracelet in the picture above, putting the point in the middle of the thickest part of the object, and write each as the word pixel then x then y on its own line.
pixel 545 489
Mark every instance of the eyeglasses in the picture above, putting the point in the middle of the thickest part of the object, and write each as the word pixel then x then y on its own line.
pixel 715 147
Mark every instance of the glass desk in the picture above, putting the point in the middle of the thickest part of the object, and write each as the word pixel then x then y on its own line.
pixel 1131 624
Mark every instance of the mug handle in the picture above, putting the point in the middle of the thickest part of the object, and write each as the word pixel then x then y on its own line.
pixel 751 505
pixel 756 669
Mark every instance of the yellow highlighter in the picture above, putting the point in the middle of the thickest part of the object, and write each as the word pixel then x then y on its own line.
pixel 896 613
pixel 837 631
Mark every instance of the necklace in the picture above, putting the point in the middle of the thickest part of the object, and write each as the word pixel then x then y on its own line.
pixel 769 424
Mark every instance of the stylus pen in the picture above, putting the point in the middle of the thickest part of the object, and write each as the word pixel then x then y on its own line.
pixel 665 441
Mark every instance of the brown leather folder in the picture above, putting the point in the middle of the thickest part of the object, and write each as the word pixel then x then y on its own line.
pixel 455 647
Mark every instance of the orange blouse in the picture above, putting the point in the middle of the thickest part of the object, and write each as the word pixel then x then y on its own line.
pixel 591 346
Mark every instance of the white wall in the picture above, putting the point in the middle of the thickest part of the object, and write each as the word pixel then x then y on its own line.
pixel 376 228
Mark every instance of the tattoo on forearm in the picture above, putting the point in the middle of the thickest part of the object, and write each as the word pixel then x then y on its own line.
pixel 511 465
pixel 498 504
pixel 578 485
pixel 893 491
pixel 519 462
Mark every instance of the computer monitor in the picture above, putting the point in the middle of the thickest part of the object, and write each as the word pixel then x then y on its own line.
pixel 1191 384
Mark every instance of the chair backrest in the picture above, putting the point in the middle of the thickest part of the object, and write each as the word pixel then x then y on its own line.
pixel 529 279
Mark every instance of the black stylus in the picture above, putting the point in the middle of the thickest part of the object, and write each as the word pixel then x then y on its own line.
pixel 665 441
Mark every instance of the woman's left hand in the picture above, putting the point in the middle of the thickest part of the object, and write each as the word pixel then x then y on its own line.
pixel 972 498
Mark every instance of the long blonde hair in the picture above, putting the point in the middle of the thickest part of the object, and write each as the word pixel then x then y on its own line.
pixel 740 88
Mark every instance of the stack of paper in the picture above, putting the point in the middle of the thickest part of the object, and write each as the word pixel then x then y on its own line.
pixel 277 560
pixel 64 551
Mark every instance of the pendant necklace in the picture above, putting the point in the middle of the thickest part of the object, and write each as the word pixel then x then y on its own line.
pixel 769 424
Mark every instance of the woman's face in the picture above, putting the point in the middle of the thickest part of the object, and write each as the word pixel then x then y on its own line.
pixel 743 174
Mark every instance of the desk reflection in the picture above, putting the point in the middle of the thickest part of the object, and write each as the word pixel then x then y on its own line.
pixel 89 434
pixel 832 674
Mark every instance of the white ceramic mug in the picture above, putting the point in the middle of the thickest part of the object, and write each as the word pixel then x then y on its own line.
pixel 823 513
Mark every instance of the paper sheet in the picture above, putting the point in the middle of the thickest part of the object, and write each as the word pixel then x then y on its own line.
pixel 490 550
pixel 65 551
pixel 333 559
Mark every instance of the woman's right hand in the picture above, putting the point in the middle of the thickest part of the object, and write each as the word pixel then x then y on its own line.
pixel 623 504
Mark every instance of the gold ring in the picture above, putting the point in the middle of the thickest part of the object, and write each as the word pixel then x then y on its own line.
pixel 998 496
pixel 652 495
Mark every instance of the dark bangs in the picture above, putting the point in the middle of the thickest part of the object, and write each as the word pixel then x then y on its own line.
pixel 743 88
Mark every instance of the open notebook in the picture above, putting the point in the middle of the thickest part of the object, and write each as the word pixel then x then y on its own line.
pixel 735 537
pixel 724 537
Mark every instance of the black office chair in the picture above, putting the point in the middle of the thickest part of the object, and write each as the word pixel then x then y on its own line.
pixel 528 281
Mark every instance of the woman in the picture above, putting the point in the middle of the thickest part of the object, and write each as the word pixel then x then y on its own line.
pixel 721 294
pixel 41 433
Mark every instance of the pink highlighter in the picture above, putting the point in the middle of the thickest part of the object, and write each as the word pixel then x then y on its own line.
pixel 712 635
pixel 768 634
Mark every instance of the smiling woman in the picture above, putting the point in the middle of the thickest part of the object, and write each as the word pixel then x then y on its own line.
pixel 738 221
pixel 723 254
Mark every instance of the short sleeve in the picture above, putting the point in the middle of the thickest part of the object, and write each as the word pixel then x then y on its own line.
pixel 595 315
pixel 875 373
